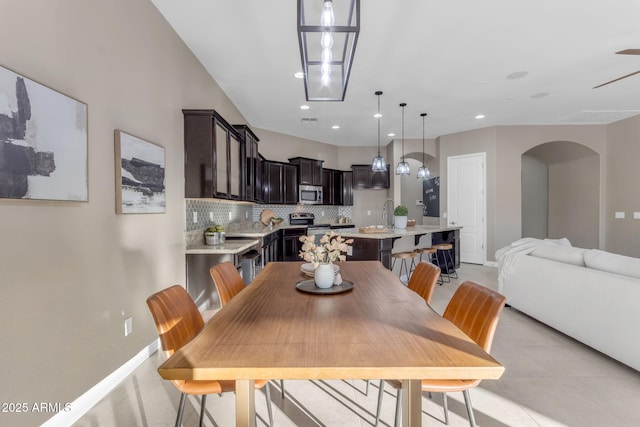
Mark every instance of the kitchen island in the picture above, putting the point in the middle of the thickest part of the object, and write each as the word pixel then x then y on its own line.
pixel 366 246
pixel 379 246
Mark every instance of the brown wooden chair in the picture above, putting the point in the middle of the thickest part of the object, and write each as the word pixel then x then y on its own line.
pixel 229 283
pixel 424 279
pixel 178 320
pixel 227 280
pixel 475 310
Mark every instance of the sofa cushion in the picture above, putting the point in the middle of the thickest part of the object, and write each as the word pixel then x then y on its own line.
pixel 564 254
pixel 612 263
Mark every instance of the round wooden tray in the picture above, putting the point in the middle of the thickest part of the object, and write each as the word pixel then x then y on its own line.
pixel 266 215
pixel 309 286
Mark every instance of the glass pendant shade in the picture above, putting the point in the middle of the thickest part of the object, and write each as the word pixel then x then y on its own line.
pixel 403 166
pixel 378 164
pixel 423 172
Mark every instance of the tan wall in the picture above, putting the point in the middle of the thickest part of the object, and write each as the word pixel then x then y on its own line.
pixel 476 141
pixel 280 147
pixel 621 187
pixel 511 143
pixel 535 198
pixel 72 272
pixel 574 201
pixel 504 147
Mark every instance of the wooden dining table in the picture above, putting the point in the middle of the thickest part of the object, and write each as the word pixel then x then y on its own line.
pixel 379 329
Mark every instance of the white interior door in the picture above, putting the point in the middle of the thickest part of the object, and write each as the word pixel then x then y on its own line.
pixel 466 204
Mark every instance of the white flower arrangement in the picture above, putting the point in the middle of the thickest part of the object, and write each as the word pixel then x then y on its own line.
pixel 329 249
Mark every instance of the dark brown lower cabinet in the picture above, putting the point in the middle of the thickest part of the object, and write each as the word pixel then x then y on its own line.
pixel 372 249
pixel 270 248
pixel 291 243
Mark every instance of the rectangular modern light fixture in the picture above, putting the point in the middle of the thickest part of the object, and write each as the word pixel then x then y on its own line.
pixel 327 33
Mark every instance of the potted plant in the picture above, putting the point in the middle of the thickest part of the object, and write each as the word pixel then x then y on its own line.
pixel 400 216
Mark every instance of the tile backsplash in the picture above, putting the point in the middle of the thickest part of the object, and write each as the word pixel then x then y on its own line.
pixel 202 213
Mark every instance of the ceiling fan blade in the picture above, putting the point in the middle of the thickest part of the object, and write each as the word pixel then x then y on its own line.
pixel 619 78
pixel 629 52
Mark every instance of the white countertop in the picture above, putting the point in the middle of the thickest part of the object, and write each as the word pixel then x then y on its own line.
pixel 396 232
pixel 230 246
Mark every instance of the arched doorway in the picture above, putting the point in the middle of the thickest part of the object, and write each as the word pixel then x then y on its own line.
pixel 561 193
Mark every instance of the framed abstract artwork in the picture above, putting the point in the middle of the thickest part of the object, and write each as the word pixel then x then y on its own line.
pixel 139 175
pixel 43 142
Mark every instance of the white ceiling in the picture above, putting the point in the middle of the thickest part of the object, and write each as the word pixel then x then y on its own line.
pixel 448 58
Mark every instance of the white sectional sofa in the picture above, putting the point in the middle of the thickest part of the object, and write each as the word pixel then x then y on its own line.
pixel 588 294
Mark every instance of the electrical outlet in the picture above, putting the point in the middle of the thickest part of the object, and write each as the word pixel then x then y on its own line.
pixel 230 216
pixel 321 213
pixel 128 326
pixel 369 213
pixel 246 214
pixel 195 217
pixel 211 216
pixel 636 215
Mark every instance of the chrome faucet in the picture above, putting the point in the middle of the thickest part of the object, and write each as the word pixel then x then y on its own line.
pixel 384 211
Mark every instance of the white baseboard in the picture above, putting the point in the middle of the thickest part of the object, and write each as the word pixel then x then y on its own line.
pixel 491 264
pixel 91 397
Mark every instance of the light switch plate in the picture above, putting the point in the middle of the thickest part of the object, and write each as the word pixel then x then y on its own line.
pixel 619 215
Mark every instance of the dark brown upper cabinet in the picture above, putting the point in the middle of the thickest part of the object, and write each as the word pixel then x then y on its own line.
pixel 252 165
pixel 309 170
pixel 364 177
pixel 280 184
pixel 331 187
pixel 347 188
pixel 213 156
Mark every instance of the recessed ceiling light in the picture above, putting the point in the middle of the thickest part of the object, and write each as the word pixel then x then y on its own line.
pixel 391 134
pixel 480 116
pixel 299 75
pixel 335 127
pixel 539 95
pixel 304 107
pixel 517 75
pixel 377 115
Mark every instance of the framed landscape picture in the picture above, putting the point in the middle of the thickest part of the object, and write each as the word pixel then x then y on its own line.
pixel 43 142
pixel 139 175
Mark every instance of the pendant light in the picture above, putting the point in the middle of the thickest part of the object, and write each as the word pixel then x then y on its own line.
pixel 379 164
pixel 423 172
pixel 403 166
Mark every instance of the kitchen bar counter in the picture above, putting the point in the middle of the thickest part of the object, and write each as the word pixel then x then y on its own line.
pixel 258 230
pixel 230 246
pixel 394 233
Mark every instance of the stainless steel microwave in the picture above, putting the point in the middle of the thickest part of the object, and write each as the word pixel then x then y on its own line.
pixel 310 194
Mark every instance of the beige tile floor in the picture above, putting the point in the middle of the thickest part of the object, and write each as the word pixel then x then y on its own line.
pixel 550 380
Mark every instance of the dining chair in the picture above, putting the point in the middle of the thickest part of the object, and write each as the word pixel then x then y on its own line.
pixel 476 310
pixel 178 320
pixel 424 279
pixel 229 283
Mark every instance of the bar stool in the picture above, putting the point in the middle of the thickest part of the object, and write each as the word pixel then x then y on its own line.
pixel 430 252
pixel 446 249
pixel 403 256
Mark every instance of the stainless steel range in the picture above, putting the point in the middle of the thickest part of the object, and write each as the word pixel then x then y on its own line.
pixel 308 219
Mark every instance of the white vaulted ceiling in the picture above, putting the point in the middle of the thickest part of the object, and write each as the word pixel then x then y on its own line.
pixel 453 59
